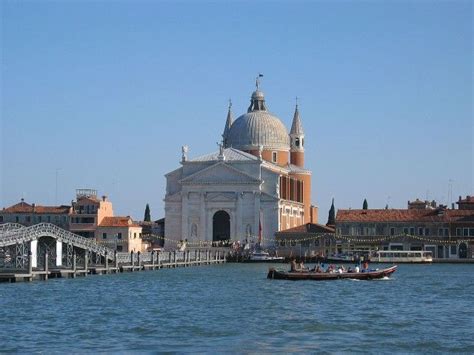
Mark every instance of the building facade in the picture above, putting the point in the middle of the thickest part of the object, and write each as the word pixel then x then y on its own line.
pixel 447 233
pixel 29 214
pixel 254 186
pixel 120 233
pixel 88 216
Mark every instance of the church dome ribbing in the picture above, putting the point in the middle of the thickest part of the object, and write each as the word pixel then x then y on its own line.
pixel 258 128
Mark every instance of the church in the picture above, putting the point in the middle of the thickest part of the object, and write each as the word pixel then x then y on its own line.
pixel 255 185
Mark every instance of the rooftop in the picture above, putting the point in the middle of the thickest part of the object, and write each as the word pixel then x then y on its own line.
pixel 404 215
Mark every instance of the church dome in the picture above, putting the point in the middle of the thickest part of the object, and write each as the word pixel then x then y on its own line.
pixel 258 128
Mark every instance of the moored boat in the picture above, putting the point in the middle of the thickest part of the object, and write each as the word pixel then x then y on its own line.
pixel 322 276
pixel 264 257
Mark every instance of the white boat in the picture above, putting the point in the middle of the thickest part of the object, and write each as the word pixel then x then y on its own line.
pixel 264 257
pixel 402 256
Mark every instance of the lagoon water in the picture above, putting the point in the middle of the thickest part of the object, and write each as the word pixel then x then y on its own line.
pixel 233 307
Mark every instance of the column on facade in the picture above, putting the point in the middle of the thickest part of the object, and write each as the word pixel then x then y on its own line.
pixel 257 197
pixel 184 215
pixel 202 219
pixel 238 222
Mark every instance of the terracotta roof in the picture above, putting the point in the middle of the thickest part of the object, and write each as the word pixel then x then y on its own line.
pixel 306 228
pixel 404 215
pixel 118 222
pixel 24 207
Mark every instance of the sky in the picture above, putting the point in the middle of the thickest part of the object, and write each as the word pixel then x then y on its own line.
pixel 103 94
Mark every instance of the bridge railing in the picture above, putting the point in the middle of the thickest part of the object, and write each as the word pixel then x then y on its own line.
pixel 20 235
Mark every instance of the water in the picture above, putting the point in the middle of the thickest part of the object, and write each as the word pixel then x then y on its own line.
pixel 233 307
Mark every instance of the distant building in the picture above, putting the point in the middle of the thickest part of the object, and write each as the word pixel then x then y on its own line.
pixel 119 233
pixel 448 233
pixel 307 240
pixel 88 211
pixel 29 214
pixel 88 216
pixel 256 183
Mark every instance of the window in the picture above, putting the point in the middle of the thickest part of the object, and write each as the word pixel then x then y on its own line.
pixel 420 231
pixel 392 231
pixel 316 242
pixel 104 235
pixel 440 232
pixel 119 235
pixel 405 230
pixel 274 157
pixel 471 231
pixel 119 248
pixel 453 250
pixel 427 231
pixel 134 235
pixel 297 141
pixel 48 219
pixel 465 232
pixel 1 219
pixel 446 232
pixel 17 219
pixel 412 230
pixel 39 218
pixel 27 219
pixel 459 232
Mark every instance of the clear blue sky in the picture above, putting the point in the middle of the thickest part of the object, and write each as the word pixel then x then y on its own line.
pixel 105 93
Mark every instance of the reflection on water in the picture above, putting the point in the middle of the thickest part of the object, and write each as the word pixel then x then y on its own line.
pixel 234 307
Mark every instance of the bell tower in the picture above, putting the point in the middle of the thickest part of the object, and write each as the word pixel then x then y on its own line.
pixel 297 140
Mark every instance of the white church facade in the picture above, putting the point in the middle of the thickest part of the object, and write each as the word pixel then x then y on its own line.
pixel 254 186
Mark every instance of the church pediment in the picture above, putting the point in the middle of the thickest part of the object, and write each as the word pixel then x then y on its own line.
pixel 219 174
pixel 220 196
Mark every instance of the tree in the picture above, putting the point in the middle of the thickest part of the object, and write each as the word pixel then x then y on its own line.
pixel 147 214
pixel 365 206
pixel 332 215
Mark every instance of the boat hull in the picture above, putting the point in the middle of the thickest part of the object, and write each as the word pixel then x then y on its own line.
pixel 324 276
pixel 264 261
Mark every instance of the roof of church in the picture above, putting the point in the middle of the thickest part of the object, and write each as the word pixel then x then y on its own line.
pixel 258 127
pixel 296 126
pixel 296 169
pixel 230 154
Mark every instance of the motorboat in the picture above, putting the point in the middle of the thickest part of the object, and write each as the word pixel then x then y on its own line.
pixel 261 256
pixel 323 276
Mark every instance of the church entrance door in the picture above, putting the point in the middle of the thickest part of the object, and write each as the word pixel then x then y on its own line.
pixel 220 226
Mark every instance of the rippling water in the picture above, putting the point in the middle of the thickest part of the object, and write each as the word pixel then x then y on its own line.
pixel 233 307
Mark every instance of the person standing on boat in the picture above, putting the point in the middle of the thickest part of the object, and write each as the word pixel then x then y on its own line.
pixel 365 266
pixel 293 264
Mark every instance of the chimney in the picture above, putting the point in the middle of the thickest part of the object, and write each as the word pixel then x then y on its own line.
pixel 104 198
pixel 460 198
pixel 33 205
pixel 452 206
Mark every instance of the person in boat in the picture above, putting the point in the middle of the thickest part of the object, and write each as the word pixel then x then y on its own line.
pixel 317 268
pixel 349 269
pixel 293 265
pixel 357 269
pixel 365 266
pixel 301 266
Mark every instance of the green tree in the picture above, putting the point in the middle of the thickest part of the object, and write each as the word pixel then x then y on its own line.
pixel 332 215
pixel 365 206
pixel 147 214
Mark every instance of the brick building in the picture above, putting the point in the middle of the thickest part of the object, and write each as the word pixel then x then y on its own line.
pixel 448 233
